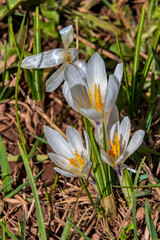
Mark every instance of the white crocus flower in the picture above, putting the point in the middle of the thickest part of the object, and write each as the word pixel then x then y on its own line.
pixel 118 148
pixel 93 96
pixel 54 58
pixel 72 159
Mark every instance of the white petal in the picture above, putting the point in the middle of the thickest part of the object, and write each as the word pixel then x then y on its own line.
pixel 124 132
pixel 104 157
pixel 74 54
pixel 67 35
pixel 80 96
pixel 114 117
pixel 57 142
pixel 61 161
pixel 86 168
pixel 135 142
pixel 111 132
pixel 74 138
pixel 81 67
pixel 47 59
pixel 119 72
pixel 55 79
pixel 64 173
pixel 111 93
pixel 91 113
pixel 98 133
pixel 96 73
pixel 67 94
pixel 73 76
pixel 88 143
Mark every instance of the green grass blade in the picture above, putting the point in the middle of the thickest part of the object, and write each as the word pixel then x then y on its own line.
pixel 148 119
pixel 158 65
pixel 40 219
pixel 38 138
pixel 21 186
pixel 151 8
pixel 136 58
pixel 4 235
pixel 6 175
pixel 66 229
pixel 80 233
pixel 87 192
pixel 107 169
pixel 98 168
pixel 26 71
pixel 134 199
pixel 8 231
pixel 24 226
pixel 16 94
pixel 1 189
pixel 21 29
pixel 37 73
pixel 19 230
pixel 146 69
pixel 149 221
pixel 124 69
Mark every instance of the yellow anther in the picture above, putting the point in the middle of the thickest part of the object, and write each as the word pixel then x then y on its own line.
pixel 98 102
pixel 69 59
pixel 79 160
pixel 90 96
pixel 72 161
pixel 115 151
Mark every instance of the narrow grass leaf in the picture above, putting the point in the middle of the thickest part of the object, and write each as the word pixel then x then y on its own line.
pixel 21 29
pixel 4 235
pixel 1 189
pixel 38 138
pixel 148 119
pixel 151 7
pixel 24 225
pixel 26 71
pixel 146 69
pixel 37 73
pixel 40 219
pixel 6 175
pixel 87 192
pixel 149 221
pixel 21 186
pixel 107 169
pixel 98 168
pixel 66 229
pixel 136 58
pixel 134 199
pixel 8 231
pixel 124 69
pixel 80 233
pixel 154 57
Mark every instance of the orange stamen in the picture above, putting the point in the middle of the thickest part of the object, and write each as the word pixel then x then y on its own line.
pixel 98 102
pixel 79 160
pixel 69 59
pixel 115 150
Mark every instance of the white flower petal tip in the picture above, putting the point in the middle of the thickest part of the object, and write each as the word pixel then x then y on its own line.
pixel 67 35
pixel 65 173
pixel 119 72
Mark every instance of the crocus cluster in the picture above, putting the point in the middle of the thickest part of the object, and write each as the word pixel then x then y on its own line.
pixel 88 91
